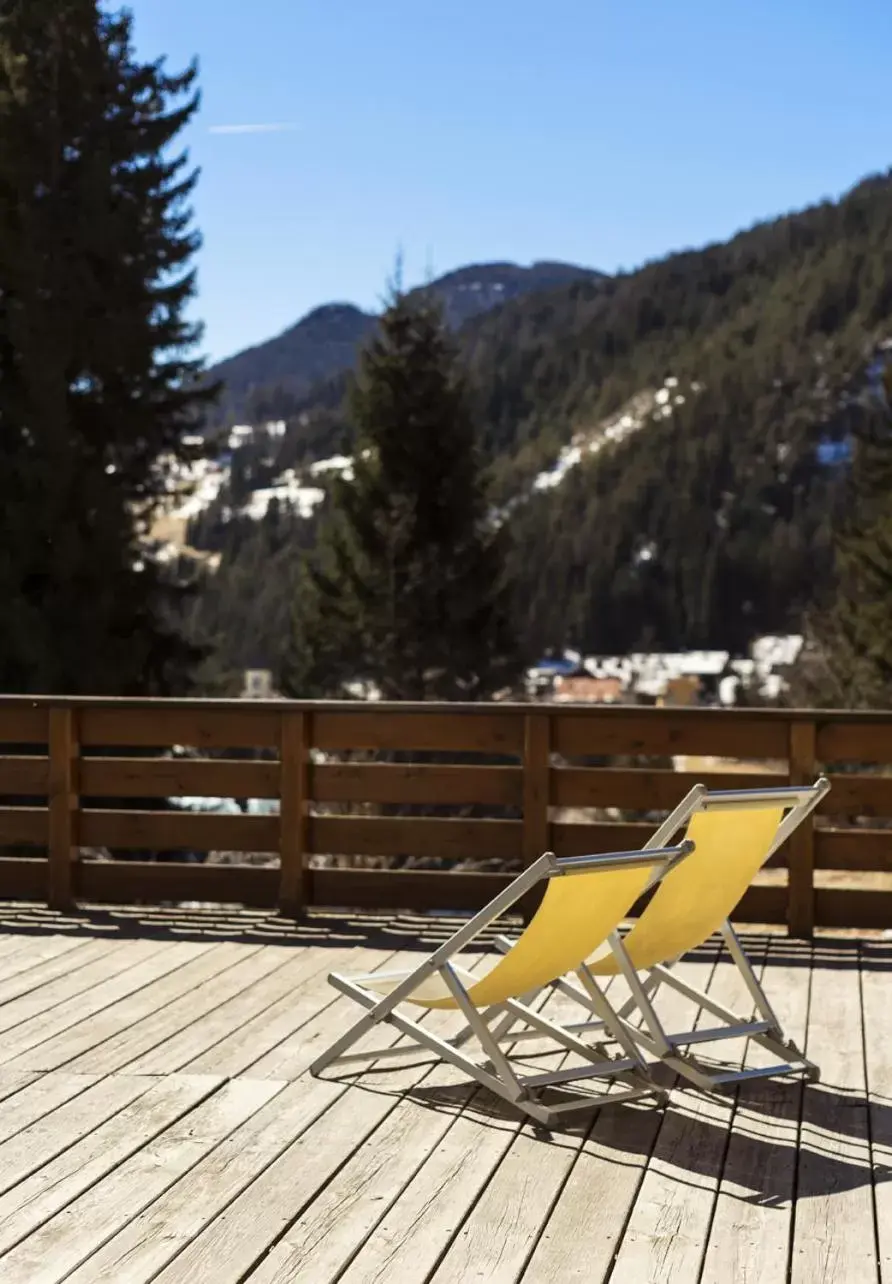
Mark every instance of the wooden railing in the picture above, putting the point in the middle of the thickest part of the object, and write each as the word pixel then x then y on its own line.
pixel 70 770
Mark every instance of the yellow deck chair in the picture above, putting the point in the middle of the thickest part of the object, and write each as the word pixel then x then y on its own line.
pixel 585 900
pixel 734 832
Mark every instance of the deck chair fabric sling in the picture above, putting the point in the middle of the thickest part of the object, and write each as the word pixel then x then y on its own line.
pixel 585 900
pixel 734 833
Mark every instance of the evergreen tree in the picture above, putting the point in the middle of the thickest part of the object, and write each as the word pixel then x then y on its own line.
pixel 852 639
pixel 407 586
pixel 96 379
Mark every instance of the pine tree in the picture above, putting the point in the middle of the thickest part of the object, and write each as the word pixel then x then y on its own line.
pixel 96 379
pixel 406 589
pixel 852 639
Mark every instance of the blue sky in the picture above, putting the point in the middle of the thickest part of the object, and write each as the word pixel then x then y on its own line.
pixel 604 134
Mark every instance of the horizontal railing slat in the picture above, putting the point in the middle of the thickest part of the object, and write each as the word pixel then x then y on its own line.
pixel 173 831
pixel 581 734
pixel 208 728
pixel 135 882
pixel 434 838
pixel 176 778
pixel 478 732
pixel 24 775
pixel 375 782
pixel 24 825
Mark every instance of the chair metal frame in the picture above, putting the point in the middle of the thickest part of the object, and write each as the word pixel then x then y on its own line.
pixel 671 1048
pixel 491 1026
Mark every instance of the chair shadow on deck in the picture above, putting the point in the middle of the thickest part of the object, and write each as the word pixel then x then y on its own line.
pixel 788 1139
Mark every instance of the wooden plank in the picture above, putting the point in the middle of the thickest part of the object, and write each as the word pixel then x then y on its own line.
pixel 536 768
pixel 22 724
pixel 749 1238
pixel 602 836
pixel 584 1229
pixel 324 1239
pixel 380 782
pixel 232 967
pixel 875 962
pixel 15 944
pixel 857 849
pixel 221 1180
pixel 417 889
pixel 132 882
pixel 536 835
pixel 23 878
pixel 502 1229
pixel 834 1239
pixel 858 795
pixel 96 1153
pixel 163 723
pixel 40 967
pixel 801 844
pixel 41 1141
pixel 178 830
pixel 62 802
pixel 65 1242
pixel 239 996
pixel 12 1081
pixel 20 774
pixel 854 739
pixel 40 1098
pixel 234 1242
pixel 853 907
pixel 658 732
pixel 294 752
pixel 143 966
pixel 476 730
pixel 292 1057
pixel 105 959
pixel 176 778
pixel 92 1034
pixel 519 1219
pixel 265 1031
pixel 24 825
pixel 663 1239
pixel 419 1226
pixel 416 836
pixel 138 1252
pixel 644 789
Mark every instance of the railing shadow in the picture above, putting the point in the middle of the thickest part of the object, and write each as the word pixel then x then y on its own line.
pixel 183 922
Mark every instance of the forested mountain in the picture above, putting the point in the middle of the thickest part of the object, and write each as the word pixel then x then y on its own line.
pixel 271 379
pixel 720 389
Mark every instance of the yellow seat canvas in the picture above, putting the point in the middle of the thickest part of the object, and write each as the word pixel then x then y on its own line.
pixel 734 834
pixel 585 900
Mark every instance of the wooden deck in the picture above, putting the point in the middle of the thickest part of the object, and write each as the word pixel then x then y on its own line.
pixel 158 1123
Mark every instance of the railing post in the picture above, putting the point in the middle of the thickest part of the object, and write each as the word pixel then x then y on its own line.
pixel 801 844
pixel 536 790
pixel 62 801
pixel 294 755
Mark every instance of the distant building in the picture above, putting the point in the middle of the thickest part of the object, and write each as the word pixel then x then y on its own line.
pixel 258 685
pixel 588 690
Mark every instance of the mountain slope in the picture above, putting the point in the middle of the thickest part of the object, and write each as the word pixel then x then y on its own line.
pixel 709 517
pixel 269 379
